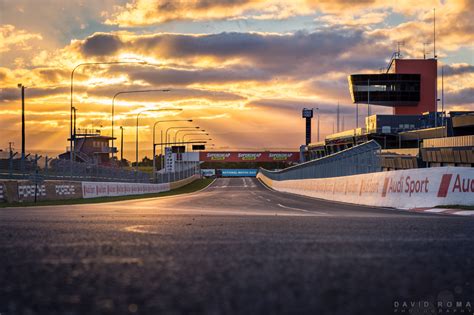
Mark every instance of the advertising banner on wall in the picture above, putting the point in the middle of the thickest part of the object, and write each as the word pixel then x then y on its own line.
pixel 414 188
pixel 238 172
pixel 249 156
pixel 106 189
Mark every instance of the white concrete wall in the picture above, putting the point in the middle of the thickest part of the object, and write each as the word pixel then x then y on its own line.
pixel 108 189
pixel 405 189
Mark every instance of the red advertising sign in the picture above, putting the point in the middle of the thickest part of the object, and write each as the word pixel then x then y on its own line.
pixel 249 156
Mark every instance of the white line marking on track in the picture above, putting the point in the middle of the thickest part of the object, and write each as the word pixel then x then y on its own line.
pixel 465 212
pixel 298 209
pixel 435 210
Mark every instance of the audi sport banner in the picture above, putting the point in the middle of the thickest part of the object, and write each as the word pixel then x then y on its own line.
pixel 413 188
pixel 249 156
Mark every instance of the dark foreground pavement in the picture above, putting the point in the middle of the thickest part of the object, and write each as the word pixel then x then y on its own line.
pixel 235 248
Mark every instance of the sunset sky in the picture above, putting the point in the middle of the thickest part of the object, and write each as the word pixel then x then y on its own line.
pixel 242 69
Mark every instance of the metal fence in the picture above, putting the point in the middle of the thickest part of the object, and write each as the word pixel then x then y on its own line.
pixel 184 170
pixel 360 159
pixel 40 168
pixel 65 170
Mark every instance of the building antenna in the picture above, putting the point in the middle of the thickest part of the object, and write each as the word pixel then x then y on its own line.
pixel 424 50
pixel 399 55
pixel 442 96
pixel 434 33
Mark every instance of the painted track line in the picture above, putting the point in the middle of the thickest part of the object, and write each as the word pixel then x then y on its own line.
pixel 298 209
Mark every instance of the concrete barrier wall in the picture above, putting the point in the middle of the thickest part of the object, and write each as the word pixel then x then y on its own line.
pixel 110 189
pixel 404 189
pixel 24 190
pixel 183 182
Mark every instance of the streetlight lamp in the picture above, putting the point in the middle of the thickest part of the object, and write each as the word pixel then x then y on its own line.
pixel 195 134
pixel 128 92
pixel 184 129
pixel 176 127
pixel 136 133
pixel 161 143
pixel 166 137
pixel 73 138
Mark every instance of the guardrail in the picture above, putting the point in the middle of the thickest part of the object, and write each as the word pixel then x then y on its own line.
pixel 360 159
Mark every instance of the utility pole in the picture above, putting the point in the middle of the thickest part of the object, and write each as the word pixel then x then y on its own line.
pixel 368 97
pixel 22 87
pixel 337 117
pixel 121 143
pixel 357 115
pixel 317 109
pixel 434 33
pixel 442 96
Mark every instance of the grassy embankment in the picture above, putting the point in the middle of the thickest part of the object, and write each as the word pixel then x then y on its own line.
pixel 192 187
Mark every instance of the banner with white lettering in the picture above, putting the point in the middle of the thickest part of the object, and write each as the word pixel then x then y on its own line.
pixel 413 188
pixel 108 189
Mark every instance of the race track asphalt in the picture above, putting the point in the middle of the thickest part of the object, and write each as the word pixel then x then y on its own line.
pixel 234 248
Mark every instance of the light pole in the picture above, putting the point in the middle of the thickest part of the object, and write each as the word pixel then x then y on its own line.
pixel 167 141
pixel 22 87
pixel 185 129
pixel 128 92
pixel 71 137
pixel 136 132
pixel 195 134
pixel 121 144
pixel 176 127
pixel 161 144
pixel 317 110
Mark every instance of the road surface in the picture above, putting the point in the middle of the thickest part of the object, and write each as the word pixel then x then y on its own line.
pixel 233 248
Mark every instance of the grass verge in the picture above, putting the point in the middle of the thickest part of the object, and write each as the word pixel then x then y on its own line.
pixel 456 207
pixel 189 188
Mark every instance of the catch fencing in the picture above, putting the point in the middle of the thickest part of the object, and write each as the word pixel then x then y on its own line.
pixel 37 168
pixel 360 159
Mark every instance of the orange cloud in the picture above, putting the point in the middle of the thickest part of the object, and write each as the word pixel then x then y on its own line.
pixel 15 39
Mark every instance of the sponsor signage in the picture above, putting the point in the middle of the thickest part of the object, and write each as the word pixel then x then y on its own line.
pixel 169 162
pixel 238 172
pixel 106 189
pixel 414 188
pixel 208 172
pixel 249 156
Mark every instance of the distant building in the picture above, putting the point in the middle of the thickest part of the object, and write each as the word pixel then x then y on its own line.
pixel 416 135
pixel 408 86
pixel 91 147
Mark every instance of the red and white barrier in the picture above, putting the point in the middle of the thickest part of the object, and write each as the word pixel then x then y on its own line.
pixel 106 189
pixel 404 189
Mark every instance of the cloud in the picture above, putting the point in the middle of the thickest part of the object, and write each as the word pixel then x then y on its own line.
pixel 295 106
pixel 458 69
pixel 148 12
pixel 299 54
pixel 101 45
pixel 16 39
pixel 10 94
pixel 165 76
pixel 461 97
